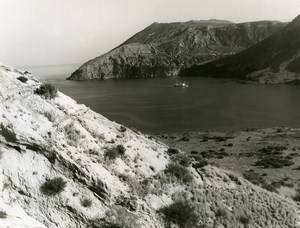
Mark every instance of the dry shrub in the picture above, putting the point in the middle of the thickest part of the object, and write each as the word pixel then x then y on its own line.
pixel 114 152
pixel 179 171
pixel 53 186
pixel 8 133
pixel 51 117
pixel 274 162
pixel 139 188
pixel 100 189
pixel 86 202
pixel 119 217
pixel 3 215
pixel 22 79
pixel 182 159
pixel 47 90
pixel 181 213
pixel 172 151
pixel 72 133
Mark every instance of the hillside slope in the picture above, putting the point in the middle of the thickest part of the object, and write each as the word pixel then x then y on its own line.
pixel 162 49
pixel 63 165
pixel 275 59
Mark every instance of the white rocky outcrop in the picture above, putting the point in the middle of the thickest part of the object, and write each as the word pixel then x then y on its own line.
pixel 41 139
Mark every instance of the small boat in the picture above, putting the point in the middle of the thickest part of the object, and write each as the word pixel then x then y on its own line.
pixel 181 84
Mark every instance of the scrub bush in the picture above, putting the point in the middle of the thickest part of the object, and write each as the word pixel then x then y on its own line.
pixel 47 90
pixel 53 186
pixel 179 171
pixel 181 213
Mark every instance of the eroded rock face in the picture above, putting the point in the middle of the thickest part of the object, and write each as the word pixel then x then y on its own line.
pixel 162 50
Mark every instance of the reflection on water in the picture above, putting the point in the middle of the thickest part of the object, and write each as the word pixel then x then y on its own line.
pixel 153 105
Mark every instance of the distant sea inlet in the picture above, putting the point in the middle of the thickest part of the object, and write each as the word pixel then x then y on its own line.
pixel 155 105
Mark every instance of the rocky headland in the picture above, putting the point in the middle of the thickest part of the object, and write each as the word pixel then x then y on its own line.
pixel 164 49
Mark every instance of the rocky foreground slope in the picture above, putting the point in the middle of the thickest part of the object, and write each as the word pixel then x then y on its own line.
pixel 163 49
pixel 63 165
pixel 276 59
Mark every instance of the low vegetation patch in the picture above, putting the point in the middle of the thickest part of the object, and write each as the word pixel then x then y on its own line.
pixel 272 156
pixel 3 215
pixel 221 212
pixel 254 178
pixel 114 152
pixel 184 139
pixel 35 147
pixel 139 188
pixel 86 202
pixel 50 116
pixel 111 225
pixel 180 172
pixel 100 189
pixel 127 202
pixel 200 162
pixel 271 187
pixel 181 213
pixel 272 150
pixel 182 159
pixel 118 217
pixel 257 179
pixel 245 220
pixel 47 90
pixel 211 154
pixel 172 151
pixel 122 128
pixel 297 196
pixel 8 133
pixel 274 162
pixel 53 186
pixel 72 133
pixel 216 138
pixel 234 178
pixel 22 79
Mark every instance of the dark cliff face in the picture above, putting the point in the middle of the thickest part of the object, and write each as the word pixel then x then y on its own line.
pixel 162 50
pixel 275 59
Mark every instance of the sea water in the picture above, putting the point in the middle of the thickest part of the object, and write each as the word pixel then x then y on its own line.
pixel 155 105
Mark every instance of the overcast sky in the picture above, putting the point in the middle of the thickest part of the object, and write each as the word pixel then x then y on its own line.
pixel 46 32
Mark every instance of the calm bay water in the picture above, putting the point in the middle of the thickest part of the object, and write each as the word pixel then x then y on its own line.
pixel 154 105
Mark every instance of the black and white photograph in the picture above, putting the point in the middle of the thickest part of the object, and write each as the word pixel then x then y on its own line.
pixel 149 114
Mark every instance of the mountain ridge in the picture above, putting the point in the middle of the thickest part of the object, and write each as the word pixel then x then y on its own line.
pixel 163 49
pixel 270 61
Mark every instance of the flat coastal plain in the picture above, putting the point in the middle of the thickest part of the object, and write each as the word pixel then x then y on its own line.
pixel 268 157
